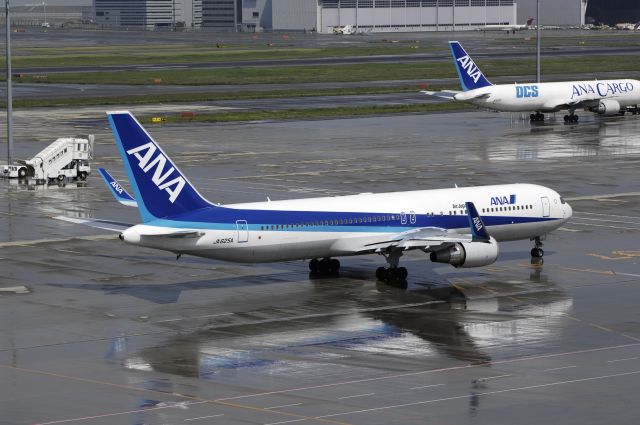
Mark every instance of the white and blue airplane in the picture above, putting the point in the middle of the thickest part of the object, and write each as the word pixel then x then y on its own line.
pixel 446 224
pixel 604 97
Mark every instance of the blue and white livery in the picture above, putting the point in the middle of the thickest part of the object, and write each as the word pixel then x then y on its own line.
pixel 605 97
pixel 458 226
pixel 118 192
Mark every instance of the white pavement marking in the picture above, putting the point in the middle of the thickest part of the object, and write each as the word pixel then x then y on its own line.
pixel 622 360
pixel 426 386
pixel 284 405
pixel 191 318
pixel 424 372
pixel 559 368
pixel 573 381
pixel 489 378
pixel 204 417
pixel 574 223
pixel 607 196
pixel 354 396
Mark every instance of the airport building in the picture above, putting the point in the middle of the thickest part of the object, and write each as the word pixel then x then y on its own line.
pixel 561 13
pixel 149 14
pixel 325 15
pixel 376 15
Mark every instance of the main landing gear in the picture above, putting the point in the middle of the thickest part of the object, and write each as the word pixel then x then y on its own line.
pixel 536 251
pixel 537 117
pixel 325 267
pixel 393 275
pixel 571 119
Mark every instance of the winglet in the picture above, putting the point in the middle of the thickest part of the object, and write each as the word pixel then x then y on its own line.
pixel 478 229
pixel 119 192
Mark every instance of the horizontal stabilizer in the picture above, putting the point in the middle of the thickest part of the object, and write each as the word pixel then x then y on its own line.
pixel 444 94
pixel 114 226
pixel 176 235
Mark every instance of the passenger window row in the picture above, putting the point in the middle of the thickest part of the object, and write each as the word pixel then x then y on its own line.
pixel 336 222
pixel 509 208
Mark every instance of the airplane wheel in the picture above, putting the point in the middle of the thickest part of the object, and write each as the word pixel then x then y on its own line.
pixel 532 117
pixel 537 253
pixel 381 273
pixel 402 273
pixel 314 265
pixel 334 265
pixel 566 118
pixel 574 118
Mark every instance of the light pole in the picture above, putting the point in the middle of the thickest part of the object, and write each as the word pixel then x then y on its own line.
pixel 9 94
pixel 538 41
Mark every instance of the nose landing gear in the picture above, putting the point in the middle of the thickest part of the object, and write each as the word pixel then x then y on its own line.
pixel 537 251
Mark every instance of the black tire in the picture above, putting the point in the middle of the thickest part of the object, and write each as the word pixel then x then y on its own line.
pixel 334 265
pixel 537 253
pixel 532 117
pixel 22 173
pixel 402 273
pixel 566 118
pixel 60 178
pixel 324 266
pixel 313 265
pixel 381 273
pixel 83 175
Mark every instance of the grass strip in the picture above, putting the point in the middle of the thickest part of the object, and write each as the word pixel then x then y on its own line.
pixel 206 97
pixel 155 55
pixel 342 73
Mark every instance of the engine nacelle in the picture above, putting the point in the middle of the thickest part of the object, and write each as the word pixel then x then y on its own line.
pixel 609 107
pixel 467 254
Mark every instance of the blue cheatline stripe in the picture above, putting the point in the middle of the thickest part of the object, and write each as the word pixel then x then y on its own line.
pixel 444 222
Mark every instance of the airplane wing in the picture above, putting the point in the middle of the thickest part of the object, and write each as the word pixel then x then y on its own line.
pixel 117 190
pixel 429 238
pixel 444 94
pixel 114 226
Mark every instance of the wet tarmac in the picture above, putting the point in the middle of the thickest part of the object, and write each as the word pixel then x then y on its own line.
pixel 103 333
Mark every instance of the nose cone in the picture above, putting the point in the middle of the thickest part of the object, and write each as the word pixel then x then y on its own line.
pixel 568 211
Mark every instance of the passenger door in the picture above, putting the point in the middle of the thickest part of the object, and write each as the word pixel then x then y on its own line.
pixel 546 207
pixel 243 231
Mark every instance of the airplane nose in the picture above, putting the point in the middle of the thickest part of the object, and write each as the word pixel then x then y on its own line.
pixel 568 211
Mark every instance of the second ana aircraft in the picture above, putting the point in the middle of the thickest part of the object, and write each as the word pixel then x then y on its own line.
pixel 604 97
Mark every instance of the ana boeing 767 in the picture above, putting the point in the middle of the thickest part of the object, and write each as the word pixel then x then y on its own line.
pixel 604 97
pixel 458 226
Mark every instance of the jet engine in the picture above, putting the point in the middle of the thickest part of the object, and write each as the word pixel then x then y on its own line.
pixel 467 254
pixel 608 107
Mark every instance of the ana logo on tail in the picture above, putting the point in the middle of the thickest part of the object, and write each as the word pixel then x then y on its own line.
pixel 468 65
pixel 146 161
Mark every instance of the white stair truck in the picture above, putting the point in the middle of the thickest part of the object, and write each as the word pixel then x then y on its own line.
pixel 65 158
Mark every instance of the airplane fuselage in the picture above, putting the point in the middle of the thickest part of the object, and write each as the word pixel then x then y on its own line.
pixel 552 97
pixel 339 226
